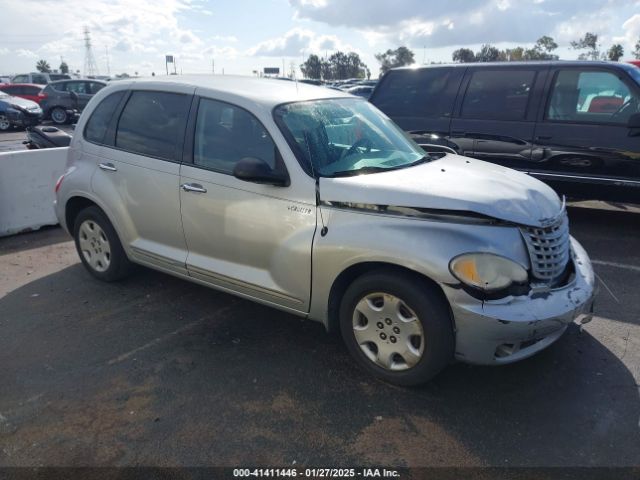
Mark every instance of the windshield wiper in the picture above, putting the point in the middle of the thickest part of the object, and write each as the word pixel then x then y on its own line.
pixel 363 170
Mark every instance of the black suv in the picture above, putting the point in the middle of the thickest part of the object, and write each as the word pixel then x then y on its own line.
pixel 574 125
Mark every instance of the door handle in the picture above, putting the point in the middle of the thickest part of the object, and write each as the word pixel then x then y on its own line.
pixel 193 187
pixel 458 133
pixel 543 137
pixel 108 167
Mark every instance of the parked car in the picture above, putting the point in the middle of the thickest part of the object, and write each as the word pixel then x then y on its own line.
pixel 634 62
pixel 363 91
pixel 28 91
pixel 39 78
pixel 311 201
pixel 18 112
pixel 58 98
pixel 574 125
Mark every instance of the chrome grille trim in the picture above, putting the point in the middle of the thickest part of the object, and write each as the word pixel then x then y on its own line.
pixel 548 248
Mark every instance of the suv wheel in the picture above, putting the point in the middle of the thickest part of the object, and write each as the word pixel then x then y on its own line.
pixel 5 124
pixel 99 246
pixel 59 115
pixel 397 327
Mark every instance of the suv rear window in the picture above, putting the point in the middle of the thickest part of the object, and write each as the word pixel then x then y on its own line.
pixel 498 94
pixel 152 122
pixel 414 93
pixel 100 118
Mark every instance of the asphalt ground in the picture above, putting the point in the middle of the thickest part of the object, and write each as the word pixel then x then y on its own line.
pixel 158 371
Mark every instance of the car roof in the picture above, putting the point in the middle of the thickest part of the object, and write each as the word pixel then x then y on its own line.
pixel 268 92
pixel 23 85
pixel 533 63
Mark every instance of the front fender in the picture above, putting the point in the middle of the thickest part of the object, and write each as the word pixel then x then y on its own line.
pixel 423 246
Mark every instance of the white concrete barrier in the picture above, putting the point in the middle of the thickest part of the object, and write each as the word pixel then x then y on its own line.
pixel 27 179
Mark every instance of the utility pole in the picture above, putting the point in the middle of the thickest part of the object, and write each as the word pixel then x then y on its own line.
pixel 283 74
pixel 90 67
pixel 213 66
pixel 106 49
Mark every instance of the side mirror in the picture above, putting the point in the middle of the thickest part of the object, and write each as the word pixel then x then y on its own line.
pixel 634 121
pixel 256 170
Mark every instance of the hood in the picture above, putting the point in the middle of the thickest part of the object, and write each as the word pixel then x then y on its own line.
pixel 21 102
pixel 453 183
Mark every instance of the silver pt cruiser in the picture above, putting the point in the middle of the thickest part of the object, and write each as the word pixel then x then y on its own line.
pixel 312 201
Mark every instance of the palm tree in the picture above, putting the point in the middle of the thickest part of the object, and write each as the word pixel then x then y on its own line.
pixel 43 66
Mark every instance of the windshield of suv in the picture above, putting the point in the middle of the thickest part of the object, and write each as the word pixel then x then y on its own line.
pixel 347 136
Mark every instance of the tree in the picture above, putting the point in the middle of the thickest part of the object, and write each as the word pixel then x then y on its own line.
pixel 312 68
pixel 636 52
pixel 590 43
pixel 615 53
pixel 546 44
pixel 488 53
pixel 463 55
pixel 64 68
pixel 43 66
pixel 399 57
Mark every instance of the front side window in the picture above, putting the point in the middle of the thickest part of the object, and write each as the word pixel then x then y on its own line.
pixel 226 134
pixel 498 94
pixel 152 123
pixel 40 79
pixel 101 116
pixel 341 137
pixel 21 79
pixel 591 96
pixel 415 93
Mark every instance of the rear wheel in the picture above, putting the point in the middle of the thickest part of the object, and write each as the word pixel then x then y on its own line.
pixel 99 246
pixel 397 327
pixel 59 115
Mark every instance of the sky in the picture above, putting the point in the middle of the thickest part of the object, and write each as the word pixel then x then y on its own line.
pixel 241 36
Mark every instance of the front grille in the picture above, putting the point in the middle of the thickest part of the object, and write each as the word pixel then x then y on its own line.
pixel 548 248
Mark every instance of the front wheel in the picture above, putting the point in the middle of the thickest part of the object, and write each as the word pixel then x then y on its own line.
pixel 5 124
pixel 99 247
pixel 397 326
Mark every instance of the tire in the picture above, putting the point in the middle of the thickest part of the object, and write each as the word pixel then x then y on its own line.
pixel 407 316
pixel 59 116
pixel 99 247
pixel 5 124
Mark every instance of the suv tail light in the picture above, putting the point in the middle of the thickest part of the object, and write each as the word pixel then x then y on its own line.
pixel 42 95
pixel 58 183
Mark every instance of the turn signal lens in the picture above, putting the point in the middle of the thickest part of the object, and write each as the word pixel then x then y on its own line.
pixel 487 272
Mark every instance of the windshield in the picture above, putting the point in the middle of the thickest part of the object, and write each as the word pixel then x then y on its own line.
pixel 347 136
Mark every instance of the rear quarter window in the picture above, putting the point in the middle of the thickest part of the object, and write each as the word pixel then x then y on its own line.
pixel 414 93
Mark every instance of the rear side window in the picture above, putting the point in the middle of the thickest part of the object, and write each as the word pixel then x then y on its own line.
pixel 78 87
pixel 21 79
pixel 94 87
pixel 414 93
pixel 498 94
pixel 101 116
pixel 152 123
pixel 31 90
pixel 225 134
pixel 60 87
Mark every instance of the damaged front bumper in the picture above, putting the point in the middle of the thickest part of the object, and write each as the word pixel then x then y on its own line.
pixel 503 331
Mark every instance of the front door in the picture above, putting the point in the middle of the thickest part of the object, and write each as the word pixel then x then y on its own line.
pixel 585 146
pixel 244 237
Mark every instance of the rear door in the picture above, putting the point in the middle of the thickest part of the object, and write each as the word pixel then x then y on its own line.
pixel 138 175
pixel 81 88
pixel 495 116
pixel 420 101
pixel 584 145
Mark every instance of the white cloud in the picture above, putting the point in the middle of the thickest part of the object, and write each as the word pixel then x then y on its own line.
pixel 299 41
pixel 22 52
pixel 4 50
